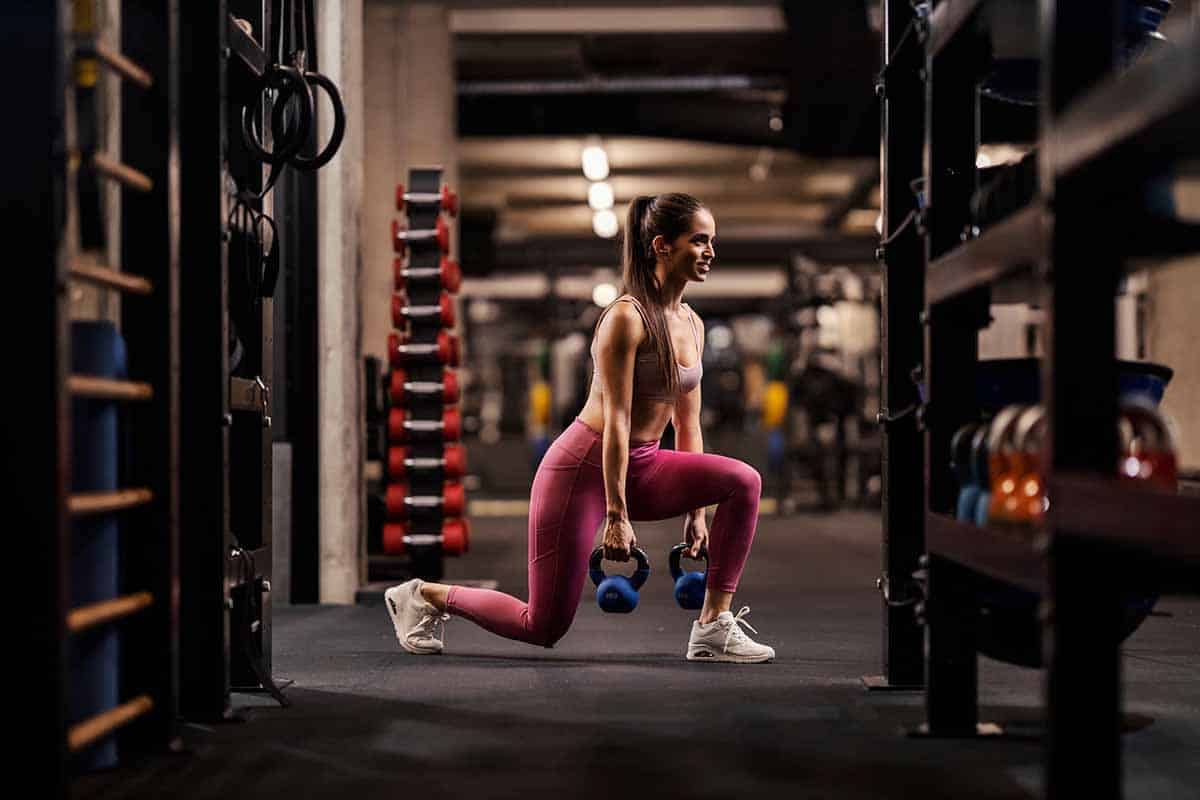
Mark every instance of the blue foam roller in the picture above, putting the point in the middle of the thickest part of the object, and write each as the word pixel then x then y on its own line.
pixel 96 349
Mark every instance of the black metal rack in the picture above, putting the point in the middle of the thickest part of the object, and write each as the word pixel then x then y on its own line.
pixel 227 347
pixel 1102 135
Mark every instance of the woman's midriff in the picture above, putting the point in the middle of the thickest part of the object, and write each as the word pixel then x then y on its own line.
pixel 647 419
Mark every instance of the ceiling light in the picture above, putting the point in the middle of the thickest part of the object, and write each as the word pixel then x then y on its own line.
pixel 604 223
pixel 604 294
pixel 600 196
pixel 595 163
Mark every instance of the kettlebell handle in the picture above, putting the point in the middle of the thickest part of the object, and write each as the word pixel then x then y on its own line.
pixel 637 579
pixel 677 552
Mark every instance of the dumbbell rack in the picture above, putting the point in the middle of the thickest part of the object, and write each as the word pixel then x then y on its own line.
pixel 423 463
pixel 1067 250
pixel 44 207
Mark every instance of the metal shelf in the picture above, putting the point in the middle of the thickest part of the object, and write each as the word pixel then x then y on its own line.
pixel 1166 525
pixel 1151 111
pixel 950 17
pixel 1007 248
pixel 1011 555
pixel 247 51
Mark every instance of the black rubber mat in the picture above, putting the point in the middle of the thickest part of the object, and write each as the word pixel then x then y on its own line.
pixel 615 710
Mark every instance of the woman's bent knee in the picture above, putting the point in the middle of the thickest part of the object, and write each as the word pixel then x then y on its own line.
pixel 749 481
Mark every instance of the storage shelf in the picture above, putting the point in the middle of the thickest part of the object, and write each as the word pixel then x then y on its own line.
pixel 1152 111
pixel 947 20
pixel 1009 247
pixel 1165 525
pixel 1013 556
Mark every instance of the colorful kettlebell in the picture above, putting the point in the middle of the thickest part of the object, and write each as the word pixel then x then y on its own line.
pixel 689 586
pixel 618 594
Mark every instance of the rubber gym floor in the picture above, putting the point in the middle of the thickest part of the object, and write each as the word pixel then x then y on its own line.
pixel 614 709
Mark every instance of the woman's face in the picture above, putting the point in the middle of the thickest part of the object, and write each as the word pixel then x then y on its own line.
pixel 691 254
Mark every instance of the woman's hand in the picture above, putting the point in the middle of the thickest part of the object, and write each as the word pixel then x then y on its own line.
pixel 619 539
pixel 695 532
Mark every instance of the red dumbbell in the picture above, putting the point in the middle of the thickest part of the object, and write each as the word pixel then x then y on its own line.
pixel 401 504
pixel 401 428
pixel 447 273
pixel 401 462
pixel 402 236
pixel 455 538
pixel 403 390
pixel 446 201
pixel 402 351
pixel 402 312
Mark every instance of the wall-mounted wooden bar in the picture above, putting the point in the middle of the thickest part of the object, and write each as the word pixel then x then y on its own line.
pixel 111 168
pixel 84 503
pixel 95 614
pixel 1007 247
pixel 118 63
pixel 110 278
pixel 108 388
pixel 1013 556
pixel 1166 525
pixel 96 728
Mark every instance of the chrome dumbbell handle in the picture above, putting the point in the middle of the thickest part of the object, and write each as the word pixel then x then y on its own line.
pixel 424 502
pixel 424 425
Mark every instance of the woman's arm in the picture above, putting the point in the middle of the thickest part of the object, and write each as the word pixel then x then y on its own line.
pixel 617 341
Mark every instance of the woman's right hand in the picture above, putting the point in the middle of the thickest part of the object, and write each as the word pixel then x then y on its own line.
pixel 619 539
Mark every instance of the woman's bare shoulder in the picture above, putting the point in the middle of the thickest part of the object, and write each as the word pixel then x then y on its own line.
pixel 622 326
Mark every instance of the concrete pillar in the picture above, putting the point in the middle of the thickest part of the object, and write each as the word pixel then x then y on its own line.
pixel 412 121
pixel 1173 295
pixel 339 339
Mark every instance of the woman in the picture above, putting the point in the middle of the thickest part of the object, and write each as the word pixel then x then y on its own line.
pixel 607 467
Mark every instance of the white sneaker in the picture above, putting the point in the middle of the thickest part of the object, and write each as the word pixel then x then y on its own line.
pixel 414 618
pixel 723 640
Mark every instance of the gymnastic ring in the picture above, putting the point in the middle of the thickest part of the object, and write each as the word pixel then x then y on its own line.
pixel 339 125
pixel 288 81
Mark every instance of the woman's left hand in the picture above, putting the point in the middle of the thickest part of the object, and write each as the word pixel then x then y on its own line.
pixel 695 532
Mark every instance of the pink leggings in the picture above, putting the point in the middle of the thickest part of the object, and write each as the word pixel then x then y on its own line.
pixel 566 507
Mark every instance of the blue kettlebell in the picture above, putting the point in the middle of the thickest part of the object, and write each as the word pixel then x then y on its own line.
pixel 618 594
pixel 689 586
